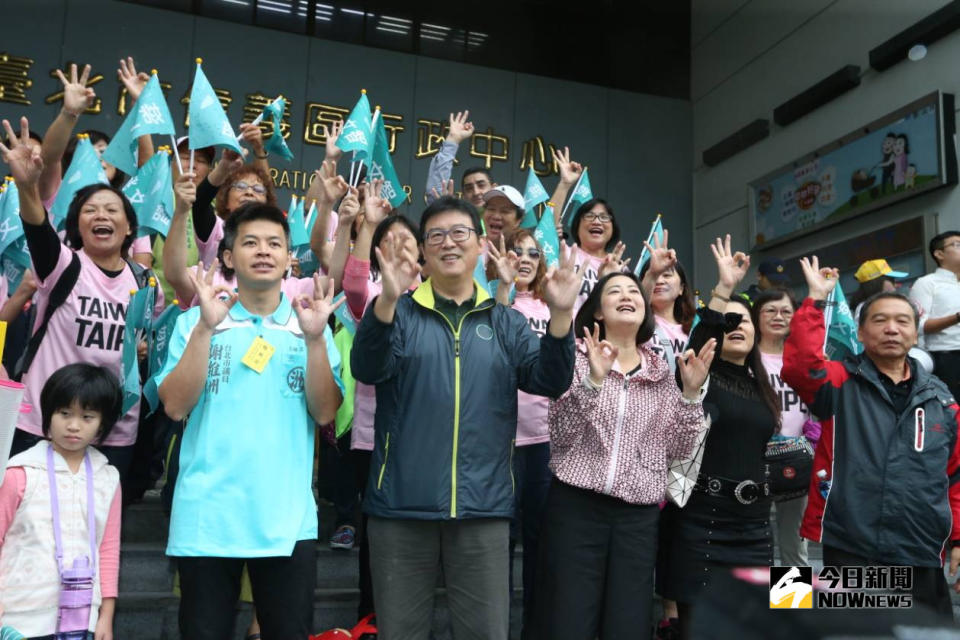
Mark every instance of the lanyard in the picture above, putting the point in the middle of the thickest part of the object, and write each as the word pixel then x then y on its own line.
pixel 55 505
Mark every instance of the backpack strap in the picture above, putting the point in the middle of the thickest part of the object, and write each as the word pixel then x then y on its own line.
pixel 140 272
pixel 58 295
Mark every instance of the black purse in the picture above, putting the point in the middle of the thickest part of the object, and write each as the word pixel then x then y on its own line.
pixel 788 463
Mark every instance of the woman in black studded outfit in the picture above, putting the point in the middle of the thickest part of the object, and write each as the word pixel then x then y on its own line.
pixel 726 523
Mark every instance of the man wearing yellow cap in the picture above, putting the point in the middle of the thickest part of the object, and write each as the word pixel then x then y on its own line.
pixel 938 297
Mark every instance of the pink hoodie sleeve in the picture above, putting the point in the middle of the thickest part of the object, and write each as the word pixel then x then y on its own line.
pixel 110 550
pixel 11 494
pixel 356 275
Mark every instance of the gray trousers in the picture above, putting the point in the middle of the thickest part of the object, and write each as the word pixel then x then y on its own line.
pixel 406 557
pixel 793 548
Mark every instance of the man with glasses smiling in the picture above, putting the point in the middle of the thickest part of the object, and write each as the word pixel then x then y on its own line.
pixel 938 297
pixel 447 362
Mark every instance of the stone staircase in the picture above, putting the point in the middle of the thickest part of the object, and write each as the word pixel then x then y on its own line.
pixel 147 607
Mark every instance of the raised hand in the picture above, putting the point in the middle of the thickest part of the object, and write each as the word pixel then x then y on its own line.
pixel 349 208
pixel 23 158
pixel 185 191
pixel 694 368
pixel 732 266
pixel 375 207
pixel 398 267
pixel 327 186
pixel 133 81
pixel 600 353
pixel 820 280
pixel 561 284
pixel 507 262
pixel 662 257
pixel 570 171
pixel 313 312
pixel 213 307
pixel 460 127
pixel 77 96
pixel 252 135
pixel 230 161
pixel 448 189
pixel 613 262
pixel 332 151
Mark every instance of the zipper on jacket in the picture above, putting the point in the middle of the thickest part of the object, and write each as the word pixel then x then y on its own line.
pixel 383 467
pixel 615 455
pixel 513 480
pixel 456 405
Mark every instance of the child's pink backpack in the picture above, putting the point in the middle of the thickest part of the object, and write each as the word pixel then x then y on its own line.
pixel 365 626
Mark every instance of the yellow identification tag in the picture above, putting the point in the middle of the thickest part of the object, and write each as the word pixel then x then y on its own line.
pixel 259 354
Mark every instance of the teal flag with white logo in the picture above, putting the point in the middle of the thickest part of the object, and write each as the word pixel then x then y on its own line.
pixel 298 227
pixel 533 194
pixel 85 169
pixel 151 194
pixel 581 193
pixel 159 344
pixel 546 236
pixel 655 235
pixel 209 126
pixel 149 115
pixel 358 134
pixel 275 144
pixel 381 167
pixel 138 322
pixel 841 339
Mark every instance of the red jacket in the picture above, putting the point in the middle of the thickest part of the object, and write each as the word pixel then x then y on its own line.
pixel 895 493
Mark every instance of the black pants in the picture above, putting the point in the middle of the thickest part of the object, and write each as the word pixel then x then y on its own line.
pixel 946 366
pixel 282 588
pixel 361 465
pixel 531 471
pixel 929 586
pixel 595 571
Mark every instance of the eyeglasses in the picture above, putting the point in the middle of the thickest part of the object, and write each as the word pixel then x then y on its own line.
pixel 772 312
pixel 534 254
pixel 459 234
pixel 590 216
pixel 259 189
pixel 951 245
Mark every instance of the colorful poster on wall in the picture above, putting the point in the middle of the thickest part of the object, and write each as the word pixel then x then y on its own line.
pixel 906 153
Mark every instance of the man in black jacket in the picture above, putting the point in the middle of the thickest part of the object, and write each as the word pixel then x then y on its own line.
pixel 447 362
pixel 889 452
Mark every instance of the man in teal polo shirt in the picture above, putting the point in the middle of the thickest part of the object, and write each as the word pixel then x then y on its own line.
pixel 253 370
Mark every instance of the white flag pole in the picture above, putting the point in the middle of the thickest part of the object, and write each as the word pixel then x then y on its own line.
pixel 573 192
pixel 191 160
pixel 828 316
pixel 355 180
pixel 176 154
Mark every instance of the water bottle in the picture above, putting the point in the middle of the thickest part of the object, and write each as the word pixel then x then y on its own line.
pixel 823 484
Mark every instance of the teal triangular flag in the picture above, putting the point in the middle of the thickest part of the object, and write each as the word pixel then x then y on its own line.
pixel 841 328
pixel 381 167
pixel 151 194
pixel 276 144
pixel 656 233
pixel 308 261
pixel 533 194
pixel 358 135
pixel 581 193
pixel 11 226
pixel 85 169
pixel 298 228
pixel 13 272
pixel 138 322
pixel 480 273
pixel 546 236
pixel 149 115
pixel 159 344
pixel 342 314
pixel 209 126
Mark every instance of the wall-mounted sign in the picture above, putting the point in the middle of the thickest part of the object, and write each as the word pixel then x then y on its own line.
pixel 906 153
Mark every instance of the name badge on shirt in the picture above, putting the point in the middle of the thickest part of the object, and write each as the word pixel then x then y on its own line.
pixel 258 355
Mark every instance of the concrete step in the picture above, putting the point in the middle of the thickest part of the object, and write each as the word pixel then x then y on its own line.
pixel 144 567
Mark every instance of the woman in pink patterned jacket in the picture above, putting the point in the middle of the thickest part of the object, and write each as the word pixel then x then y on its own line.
pixel 612 436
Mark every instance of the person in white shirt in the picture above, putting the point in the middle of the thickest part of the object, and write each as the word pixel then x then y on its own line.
pixel 938 297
